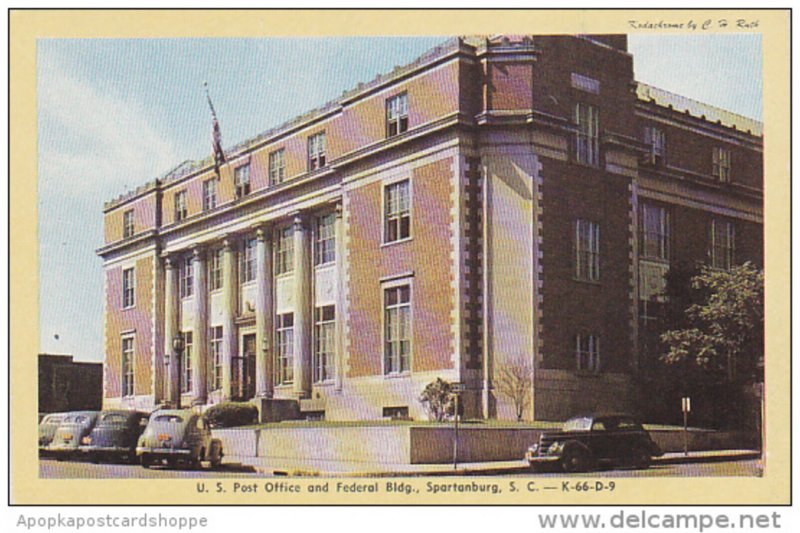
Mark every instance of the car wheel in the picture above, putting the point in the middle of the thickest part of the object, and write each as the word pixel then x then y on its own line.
pixel 641 458
pixel 535 468
pixel 197 462
pixel 146 461
pixel 94 458
pixel 217 460
pixel 575 460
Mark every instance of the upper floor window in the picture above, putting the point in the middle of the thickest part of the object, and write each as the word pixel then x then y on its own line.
pixel 181 210
pixel 397 115
pixel 209 194
pixel 215 270
pixel 128 288
pixel 325 244
pixel 585 83
pixel 277 167
pixel 655 139
pixel 721 164
pixel 127 224
pixel 397 329
pixel 587 139
pixel 186 280
pixel 127 366
pixel 316 151
pixel 186 362
pixel 284 254
pixel 248 262
pixel 655 232
pixel 284 343
pixel 397 211
pixel 723 244
pixel 587 250
pixel 324 342
pixel 587 353
pixel 241 177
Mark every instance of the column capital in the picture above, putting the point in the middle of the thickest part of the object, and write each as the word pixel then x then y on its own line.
pixel 263 232
pixel 198 253
pixel 338 208
pixel 170 262
pixel 227 242
pixel 299 220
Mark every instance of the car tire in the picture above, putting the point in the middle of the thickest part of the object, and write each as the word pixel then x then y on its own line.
pixel 641 458
pixel 94 458
pixel 146 461
pixel 575 459
pixel 217 460
pixel 197 462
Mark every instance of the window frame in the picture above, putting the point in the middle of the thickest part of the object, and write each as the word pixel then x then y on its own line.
pixel 128 224
pixel 401 113
pixel 317 151
pixel 186 362
pixel 284 250
pixel 398 215
pixel 129 288
pixel 186 278
pixel 247 261
pixel 729 247
pixel 592 271
pixel 284 349
pixel 209 194
pixel 721 164
pixel 324 354
pixel 181 210
pixel 242 187
pixel 325 245
pixel 277 166
pixel 215 278
pixel 587 138
pixel 386 308
pixel 592 352
pixel 663 236
pixel 656 139
pixel 215 338
pixel 128 366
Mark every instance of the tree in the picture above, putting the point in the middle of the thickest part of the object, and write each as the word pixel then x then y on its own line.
pixel 437 397
pixel 514 380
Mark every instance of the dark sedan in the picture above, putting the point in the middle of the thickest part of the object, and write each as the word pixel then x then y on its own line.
pixel 586 442
pixel 114 436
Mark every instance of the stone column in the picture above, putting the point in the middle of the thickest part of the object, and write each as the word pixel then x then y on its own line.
pixel 229 344
pixel 200 355
pixel 265 357
pixel 340 273
pixel 302 308
pixel 171 328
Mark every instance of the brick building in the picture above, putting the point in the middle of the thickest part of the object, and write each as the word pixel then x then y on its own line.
pixel 67 385
pixel 497 202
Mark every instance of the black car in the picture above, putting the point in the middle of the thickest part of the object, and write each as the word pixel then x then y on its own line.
pixel 114 436
pixel 586 442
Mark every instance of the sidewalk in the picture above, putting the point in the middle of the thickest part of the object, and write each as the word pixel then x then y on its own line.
pixel 274 466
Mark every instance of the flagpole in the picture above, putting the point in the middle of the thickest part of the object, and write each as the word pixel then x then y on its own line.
pixel 216 134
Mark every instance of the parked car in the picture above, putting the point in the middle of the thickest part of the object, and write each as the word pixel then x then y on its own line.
pixel 115 435
pixel 47 429
pixel 74 426
pixel 178 437
pixel 588 441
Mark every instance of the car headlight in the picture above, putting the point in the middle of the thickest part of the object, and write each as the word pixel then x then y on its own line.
pixel 86 440
pixel 533 448
pixel 555 448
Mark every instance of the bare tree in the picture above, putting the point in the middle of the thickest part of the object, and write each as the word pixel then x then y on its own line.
pixel 514 380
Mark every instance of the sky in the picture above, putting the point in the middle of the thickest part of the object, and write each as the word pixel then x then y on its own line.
pixel 115 113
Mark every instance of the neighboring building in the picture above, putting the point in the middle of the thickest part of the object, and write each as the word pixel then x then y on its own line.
pixel 67 385
pixel 497 201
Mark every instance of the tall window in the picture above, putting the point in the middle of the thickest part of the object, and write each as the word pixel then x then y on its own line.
pixel 277 167
pixel 397 215
pixel 284 342
pixel 655 232
pixel 186 362
pixel 324 342
pixel 721 164
pixel 397 334
pixel 127 224
pixel 284 254
pixel 128 288
pixel 587 353
pixel 215 347
pixel 587 250
pixel 587 145
pixel 187 277
pixel 247 268
pixel 723 244
pixel 316 151
pixel 127 366
pixel 209 194
pixel 325 245
pixel 654 138
pixel 397 115
pixel 241 177
pixel 215 270
pixel 181 211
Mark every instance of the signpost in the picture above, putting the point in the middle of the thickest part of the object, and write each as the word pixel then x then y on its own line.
pixel 686 406
pixel 456 389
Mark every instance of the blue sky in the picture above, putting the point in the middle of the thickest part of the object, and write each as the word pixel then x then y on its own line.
pixel 113 114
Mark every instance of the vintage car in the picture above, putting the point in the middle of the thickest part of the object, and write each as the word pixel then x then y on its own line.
pixel 588 441
pixel 178 437
pixel 74 426
pixel 47 429
pixel 115 435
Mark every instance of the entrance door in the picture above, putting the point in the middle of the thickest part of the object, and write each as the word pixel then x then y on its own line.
pixel 243 371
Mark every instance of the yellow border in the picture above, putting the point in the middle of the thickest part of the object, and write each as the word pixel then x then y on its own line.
pixel 27 26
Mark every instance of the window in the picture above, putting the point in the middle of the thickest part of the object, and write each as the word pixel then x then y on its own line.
pixel 186 362
pixel 128 288
pixel 127 366
pixel 397 115
pixel 587 353
pixel 587 250
pixel 209 194
pixel 187 278
pixel 247 267
pixel 654 138
pixel 587 146
pixel 284 255
pixel 215 271
pixel 127 224
pixel 277 167
pixel 285 344
pixel 325 245
pixel 723 240
pixel 215 347
pixel 324 342
pixel 721 164
pixel 397 212
pixel 397 333
pixel 585 83
pixel 180 206
pixel 316 151
pixel 655 232
pixel 241 178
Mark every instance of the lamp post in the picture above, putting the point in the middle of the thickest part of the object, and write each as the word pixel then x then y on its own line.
pixel 174 379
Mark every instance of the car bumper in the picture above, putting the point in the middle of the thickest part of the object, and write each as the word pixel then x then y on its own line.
pixel 540 459
pixel 167 452
pixel 104 449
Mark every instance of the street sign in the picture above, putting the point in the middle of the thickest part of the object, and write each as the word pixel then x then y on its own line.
pixel 686 404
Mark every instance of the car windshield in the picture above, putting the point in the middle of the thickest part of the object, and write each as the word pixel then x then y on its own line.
pixel 113 419
pixel 52 419
pixel 174 419
pixel 76 419
pixel 579 423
